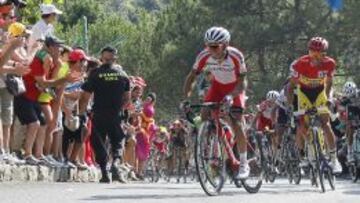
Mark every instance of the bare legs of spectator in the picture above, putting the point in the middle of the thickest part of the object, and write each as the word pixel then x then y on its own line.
pixel 6 137
pixel 31 132
pixel 77 153
pixel 39 143
pixel 57 144
pixel 129 154
pixel 141 168
pixel 51 125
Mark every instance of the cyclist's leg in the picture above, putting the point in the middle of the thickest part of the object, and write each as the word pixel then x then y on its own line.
pixel 328 132
pixel 302 131
pixel 353 113
pixel 349 137
pixel 280 126
pixel 237 125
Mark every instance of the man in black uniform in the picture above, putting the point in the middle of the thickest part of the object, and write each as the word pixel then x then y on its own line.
pixel 111 88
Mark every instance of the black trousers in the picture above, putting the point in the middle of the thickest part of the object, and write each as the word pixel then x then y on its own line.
pixel 106 126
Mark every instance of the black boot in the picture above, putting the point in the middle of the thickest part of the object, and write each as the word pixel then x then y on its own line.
pixel 104 176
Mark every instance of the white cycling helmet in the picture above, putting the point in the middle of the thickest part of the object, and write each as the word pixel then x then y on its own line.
pixel 349 89
pixel 272 95
pixel 217 35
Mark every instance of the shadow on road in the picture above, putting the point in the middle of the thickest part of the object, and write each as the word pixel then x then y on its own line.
pixel 144 196
pixel 151 188
pixel 352 192
pixel 156 196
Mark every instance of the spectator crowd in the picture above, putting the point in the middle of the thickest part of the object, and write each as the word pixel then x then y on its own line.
pixel 65 102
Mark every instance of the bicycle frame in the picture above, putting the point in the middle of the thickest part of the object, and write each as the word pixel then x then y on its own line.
pixel 220 126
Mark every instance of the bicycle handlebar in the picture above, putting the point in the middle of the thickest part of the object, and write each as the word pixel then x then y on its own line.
pixel 312 111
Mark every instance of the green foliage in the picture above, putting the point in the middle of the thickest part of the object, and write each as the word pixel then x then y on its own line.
pixel 159 39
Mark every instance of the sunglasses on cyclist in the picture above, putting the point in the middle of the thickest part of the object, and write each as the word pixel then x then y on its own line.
pixel 213 46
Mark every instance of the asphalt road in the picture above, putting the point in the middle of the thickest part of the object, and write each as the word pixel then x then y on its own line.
pixel 280 191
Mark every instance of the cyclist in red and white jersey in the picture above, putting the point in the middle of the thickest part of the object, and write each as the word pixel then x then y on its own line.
pixel 227 67
pixel 265 118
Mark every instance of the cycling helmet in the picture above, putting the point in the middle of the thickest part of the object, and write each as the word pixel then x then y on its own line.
pixel 349 89
pixel 272 95
pixel 318 44
pixel 217 35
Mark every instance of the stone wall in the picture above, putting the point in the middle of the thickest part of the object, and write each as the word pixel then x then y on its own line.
pixel 43 173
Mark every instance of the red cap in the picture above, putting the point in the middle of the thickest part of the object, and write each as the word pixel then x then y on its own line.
pixel 5 9
pixel 78 55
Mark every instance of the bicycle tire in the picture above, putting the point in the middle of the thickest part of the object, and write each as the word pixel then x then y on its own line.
pixel 199 162
pixel 256 167
pixel 295 160
pixel 296 171
pixel 269 165
pixel 353 172
pixel 317 151
pixel 330 176
pixel 289 173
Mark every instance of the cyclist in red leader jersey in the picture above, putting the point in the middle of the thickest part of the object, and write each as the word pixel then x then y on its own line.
pixel 227 66
pixel 311 77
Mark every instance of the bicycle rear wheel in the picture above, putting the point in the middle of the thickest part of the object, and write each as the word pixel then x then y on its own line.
pixel 209 159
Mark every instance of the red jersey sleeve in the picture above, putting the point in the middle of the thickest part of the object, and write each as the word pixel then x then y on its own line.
pixel 238 59
pixel 331 64
pixel 294 69
pixel 201 60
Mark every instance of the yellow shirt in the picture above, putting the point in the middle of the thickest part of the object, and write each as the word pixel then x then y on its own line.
pixel 63 71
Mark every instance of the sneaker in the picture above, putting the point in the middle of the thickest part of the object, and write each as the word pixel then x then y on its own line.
pixel 124 168
pixel 80 166
pixel 31 160
pixel 2 158
pixel 336 166
pixel 302 172
pixel 51 159
pixel 244 171
pixel 16 160
pixel 69 164
pixel 118 174
pixel 45 162
pixel 132 176
pixel 7 158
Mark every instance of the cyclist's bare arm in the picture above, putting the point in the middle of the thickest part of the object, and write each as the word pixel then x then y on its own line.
pixel 240 86
pixel 290 91
pixel 189 83
pixel 328 86
pixel 274 114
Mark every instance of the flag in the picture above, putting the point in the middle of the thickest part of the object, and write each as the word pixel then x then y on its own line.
pixel 335 5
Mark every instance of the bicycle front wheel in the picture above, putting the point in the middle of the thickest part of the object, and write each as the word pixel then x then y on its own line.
pixel 255 157
pixel 209 159
pixel 317 152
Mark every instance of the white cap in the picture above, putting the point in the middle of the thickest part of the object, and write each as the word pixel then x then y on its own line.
pixel 49 9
